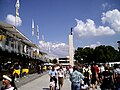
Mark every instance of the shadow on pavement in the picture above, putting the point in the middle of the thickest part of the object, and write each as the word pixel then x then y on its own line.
pixel 46 89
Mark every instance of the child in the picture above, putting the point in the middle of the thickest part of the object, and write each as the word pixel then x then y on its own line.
pixel 52 84
pixel 84 86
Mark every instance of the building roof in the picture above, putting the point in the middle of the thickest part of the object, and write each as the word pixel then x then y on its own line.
pixel 29 43
pixel 12 29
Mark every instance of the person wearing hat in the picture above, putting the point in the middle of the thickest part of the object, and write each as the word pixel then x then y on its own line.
pixel 7 83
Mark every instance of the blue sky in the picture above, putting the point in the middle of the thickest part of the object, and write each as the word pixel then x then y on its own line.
pixel 94 22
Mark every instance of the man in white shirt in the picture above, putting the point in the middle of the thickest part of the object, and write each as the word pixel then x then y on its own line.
pixel 53 75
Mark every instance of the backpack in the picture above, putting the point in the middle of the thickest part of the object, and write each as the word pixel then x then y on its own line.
pixel 86 74
pixel 107 77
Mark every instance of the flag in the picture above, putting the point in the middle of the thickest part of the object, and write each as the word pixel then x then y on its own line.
pixel 17 8
pixel 37 32
pixel 32 27
pixel 43 38
pixel 17 4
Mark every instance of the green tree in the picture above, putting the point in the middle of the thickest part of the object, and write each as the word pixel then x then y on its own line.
pixel 78 54
pixel 84 55
pixel 105 54
pixel 88 55
pixel 101 54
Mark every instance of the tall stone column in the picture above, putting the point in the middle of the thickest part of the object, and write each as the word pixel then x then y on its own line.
pixel 71 49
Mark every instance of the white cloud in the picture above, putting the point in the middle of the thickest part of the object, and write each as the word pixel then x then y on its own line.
pixel 54 49
pixel 112 18
pixel 94 45
pixel 89 29
pixel 11 20
pixel 105 6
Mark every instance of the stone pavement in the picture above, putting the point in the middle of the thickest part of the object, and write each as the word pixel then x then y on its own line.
pixel 42 83
pixel 67 84
pixel 28 78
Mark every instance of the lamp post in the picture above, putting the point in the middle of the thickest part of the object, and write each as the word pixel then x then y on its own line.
pixel 118 49
pixel 82 60
pixel 118 45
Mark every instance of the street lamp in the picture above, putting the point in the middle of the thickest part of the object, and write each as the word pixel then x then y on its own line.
pixel 81 60
pixel 118 45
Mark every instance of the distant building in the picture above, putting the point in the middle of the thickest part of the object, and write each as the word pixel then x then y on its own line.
pixel 64 61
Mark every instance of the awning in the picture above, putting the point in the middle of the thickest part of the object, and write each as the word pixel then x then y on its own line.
pixel 12 29
pixel 29 43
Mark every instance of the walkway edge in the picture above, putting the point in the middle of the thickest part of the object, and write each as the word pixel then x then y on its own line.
pixel 28 78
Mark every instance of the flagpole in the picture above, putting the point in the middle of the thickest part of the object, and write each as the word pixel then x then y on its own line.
pixel 32 29
pixel 43 38
pixel 37 32
pixel 17 5
pixel 17 13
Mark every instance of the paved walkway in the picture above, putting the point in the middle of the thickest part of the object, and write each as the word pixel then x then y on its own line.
pixel 28 78
pixel 42 83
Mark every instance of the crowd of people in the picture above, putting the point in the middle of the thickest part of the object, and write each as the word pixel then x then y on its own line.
pixel 86 76
pixel 82 77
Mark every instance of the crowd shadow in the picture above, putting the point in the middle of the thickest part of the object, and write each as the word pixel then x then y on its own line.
pixel 46 89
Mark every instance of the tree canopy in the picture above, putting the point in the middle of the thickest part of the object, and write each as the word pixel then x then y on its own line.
pixel 101 54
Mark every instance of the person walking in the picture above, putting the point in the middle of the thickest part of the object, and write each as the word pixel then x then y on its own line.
pixel 53 75
pixel 117 77
pixel 86 74
pixel 60 77
pixel 7 83
pixel 107 80
pixel 64 69
pixel 93 78
pixel 75 79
